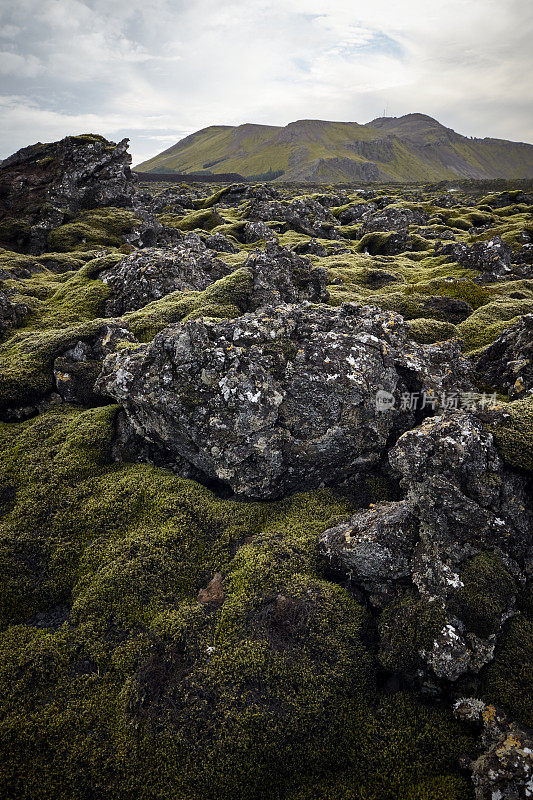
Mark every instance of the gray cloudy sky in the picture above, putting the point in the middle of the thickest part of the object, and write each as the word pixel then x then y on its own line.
pixel 156 71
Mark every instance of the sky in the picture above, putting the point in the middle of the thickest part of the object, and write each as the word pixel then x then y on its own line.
pixel 158 70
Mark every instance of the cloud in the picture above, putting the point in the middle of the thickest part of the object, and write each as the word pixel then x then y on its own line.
pixel 159 71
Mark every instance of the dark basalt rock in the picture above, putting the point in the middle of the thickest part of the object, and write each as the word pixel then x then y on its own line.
pixel 152 273
pixel 356 212
pixel 76 370
pixel 11 314
pixel 255 231
pixel 281 276
pixel 491 258
pixel 220 243
pixel 507 364
pixel 282 399
pixel 303 215
pixel 461 506
pixel 504 770
pixel 46 183
pixel 392 219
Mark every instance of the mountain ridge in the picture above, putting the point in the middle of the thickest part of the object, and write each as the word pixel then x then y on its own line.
pixel 413 147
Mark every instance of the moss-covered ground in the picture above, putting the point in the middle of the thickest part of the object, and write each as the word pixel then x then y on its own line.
pixel 115 682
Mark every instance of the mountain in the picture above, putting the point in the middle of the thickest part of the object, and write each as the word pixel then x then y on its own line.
pixel 414 147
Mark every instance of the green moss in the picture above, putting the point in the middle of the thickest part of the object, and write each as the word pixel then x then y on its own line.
pixel 428 331
pixel 513 434
pixel 490 320
pixel 486 594
pixel 101 226
pixel 146 693
pixel 204 220
pixel 226 298
pixel 406 627
pixel 14 232
pixel 508 680
pixel 461 289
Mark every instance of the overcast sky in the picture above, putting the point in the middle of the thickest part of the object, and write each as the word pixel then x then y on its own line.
pixel 157 70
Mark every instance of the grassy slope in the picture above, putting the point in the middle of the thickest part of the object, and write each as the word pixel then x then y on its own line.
pixel 422 149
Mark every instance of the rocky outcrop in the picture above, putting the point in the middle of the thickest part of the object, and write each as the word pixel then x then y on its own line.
pixel 281 399
pixel 76 370
pixel 303 214
pixel 44 183
pixel 507 364
pixel 466 575
pixel 492 258
pixel 152 273
pixel 281 276
pixel 392 219
pixel 11 314
pixel 504 770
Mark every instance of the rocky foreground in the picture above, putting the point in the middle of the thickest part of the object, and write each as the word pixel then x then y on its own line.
pixel 265 497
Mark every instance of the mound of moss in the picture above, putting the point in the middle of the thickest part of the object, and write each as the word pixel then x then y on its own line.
pixel 115 680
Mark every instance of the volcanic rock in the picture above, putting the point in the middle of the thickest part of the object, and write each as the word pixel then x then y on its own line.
pixel 45 183
pixel 452 475
pixel 507 364
pixel 282 399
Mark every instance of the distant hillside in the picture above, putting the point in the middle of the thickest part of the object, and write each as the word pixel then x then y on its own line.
pixel 410 148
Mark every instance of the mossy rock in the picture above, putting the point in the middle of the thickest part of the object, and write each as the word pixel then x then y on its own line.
pixel 508 680
pixel 513 434
pixel 407 626
pixel 101 226
pixel 485 595
pixel 428 331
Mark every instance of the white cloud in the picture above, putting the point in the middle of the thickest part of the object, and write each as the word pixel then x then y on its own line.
pixel 163 70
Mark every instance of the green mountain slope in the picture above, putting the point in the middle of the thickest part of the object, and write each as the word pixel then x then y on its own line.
pixel 414 147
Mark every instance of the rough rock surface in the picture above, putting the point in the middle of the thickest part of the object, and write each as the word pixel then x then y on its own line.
pixel 281 399
pixel 392 219
pixel 45 182
pixel 281 276
pixel 304 215
pixel 492 258
pixel 504 771
pixel 11 314
pixel 152 273
pixel 76 370
pixel 452 475
pixel 507 364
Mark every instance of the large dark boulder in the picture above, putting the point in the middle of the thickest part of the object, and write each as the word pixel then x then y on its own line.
pixel 153 272
pixel 44 184
pixel 283 399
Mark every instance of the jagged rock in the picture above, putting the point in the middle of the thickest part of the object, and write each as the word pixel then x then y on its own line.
pixel 220 243
pixel 492 258
pixel 392 219
pixel 152 273
pixel 504 770
pixel 452 475
pixel 254 231
pixel 278 400
pixel 76 370
pixel 507 364
pixel 11 314
pixel 44 183
pixel 356 212
pixel 281 276
pixel 303 214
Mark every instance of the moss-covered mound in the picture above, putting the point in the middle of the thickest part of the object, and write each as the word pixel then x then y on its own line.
pixel 118 680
